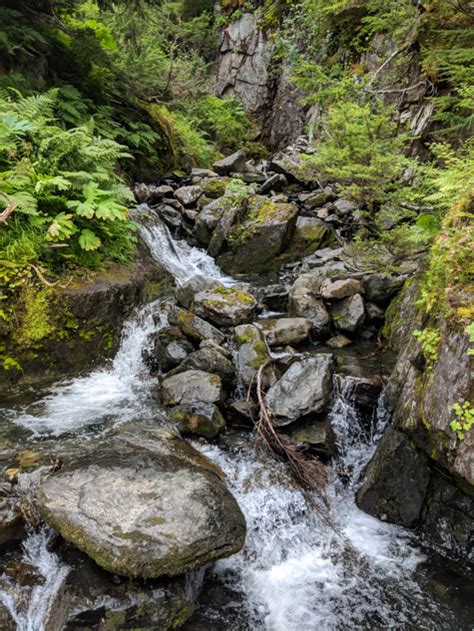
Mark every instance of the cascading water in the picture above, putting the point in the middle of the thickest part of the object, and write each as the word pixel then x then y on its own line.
pixel 297 572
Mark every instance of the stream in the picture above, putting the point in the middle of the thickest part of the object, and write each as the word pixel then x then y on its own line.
pixel 298 570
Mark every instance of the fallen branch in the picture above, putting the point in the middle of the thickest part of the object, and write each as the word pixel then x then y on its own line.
pixel 5 214
pixel 48 283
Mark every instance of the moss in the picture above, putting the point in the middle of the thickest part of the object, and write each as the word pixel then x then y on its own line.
pixel 36 321
pixel 260 209
pixel 215 187
pixel 235 295
pixel 261 351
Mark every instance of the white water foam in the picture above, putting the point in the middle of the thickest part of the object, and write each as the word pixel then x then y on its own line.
pixel 41 596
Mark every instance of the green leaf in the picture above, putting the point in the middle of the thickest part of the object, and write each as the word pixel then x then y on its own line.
pixel 88 240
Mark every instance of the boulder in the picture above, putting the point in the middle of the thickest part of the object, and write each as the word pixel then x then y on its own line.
pixel 185 293
pixel 315 435
pixel 338 289
pixel 234 162
pixel 193 326
pixel 303 303
pixel 170 348
pixel 274 297
pixel 208 219
pixel 305 388
pixel 11 522
pixel 349 314
pixel 274 183
pixel 143 505
pixel 188 195
pixel 339 341
pixel 293 166
pixel 380 287
pixel 254 244
pixel 344 207
pixel 200 419
pixel 252 352
pixel 224 306
pixel 169 215
pixel 282 331
pixel 215 187
pixel 191 386
pixel 208 360
pixel 309 235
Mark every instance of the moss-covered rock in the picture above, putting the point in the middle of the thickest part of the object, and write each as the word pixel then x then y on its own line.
pixel 310 235
pixel 225 306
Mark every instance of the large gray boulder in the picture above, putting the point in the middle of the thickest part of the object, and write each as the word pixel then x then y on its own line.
pixel 144 505
pixel 188 195
pixel 191 386
pixel 224 306
pixel 303 303
pixel 305 388
pixel 200 419
pixel 209 360
pixel 338 289
pixel 283 331
pixel 231 164
pixel 349 314
pixel 193 326
pixel 208 219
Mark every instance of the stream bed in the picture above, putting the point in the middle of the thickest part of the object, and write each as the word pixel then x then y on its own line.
pixel 303 567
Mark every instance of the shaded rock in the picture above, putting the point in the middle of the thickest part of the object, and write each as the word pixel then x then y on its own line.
pixel 274 297
pixel 193 326
pixel 304 388
pixel 260 237
pixel 208 219
pixel 315 435
pixel 191 386
pixel 344 207
pixel 274 183
pixel 397 498
pixel 292 165
pixel 215 187
pixel 379 287
pixel 309 235
pixel 224 306
pixel 303 303
pixel 142 193
pixel 209 360
pixel 188 195
pixel 171 216
pixel 234 162
pixel 144 505
pixel 196 172
pixel 170 348
pixel 199 419
pixel 373 311
pixel 282 331
pixel 339 289
pixel 252 352
pixel 164 190
pixel 223 228
pixel 11 522
pixel 349 314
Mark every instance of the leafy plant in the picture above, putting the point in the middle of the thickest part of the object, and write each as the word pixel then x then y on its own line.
pixel 430 339
pixel 464 413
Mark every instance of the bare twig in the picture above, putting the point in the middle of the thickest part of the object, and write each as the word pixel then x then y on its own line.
pixel 5 214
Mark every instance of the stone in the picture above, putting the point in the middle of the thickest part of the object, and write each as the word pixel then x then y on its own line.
pixel 274 183
pixel 209 360
pixel 11 522
pixel 142 193
pixel 315 435
pixel 164 190
pixel 344 207
pixel 303 303
pixel 224 306
pixel 170 348
pixel 309 235
pixel 396 498
pixel 339 341
pixel 223 228
pixel 291 164
pixel 188 195
pixel 208 219
pixel 251 354
pixel 282 331
pixel 305 388
pixel 338 289
pixel 380 287
pixel 215 187
pixel 200 419
pixel 143 505
pixel 274 297
pixel 206 173
pixel 185 293
pixel 191 386
pixel 373 311
pixel 349 314
pixel 232 163
pixel 171 217
pixel 193 326
pixel 255 243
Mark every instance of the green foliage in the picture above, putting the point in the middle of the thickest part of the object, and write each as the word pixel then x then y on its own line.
pixel 430 339
pixel 464 419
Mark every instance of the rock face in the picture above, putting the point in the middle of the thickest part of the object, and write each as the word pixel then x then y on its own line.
pixel 146 505
pixel 191 386
pixel 282 331
pixel 305 388
pixel 224 306
pixel 437 466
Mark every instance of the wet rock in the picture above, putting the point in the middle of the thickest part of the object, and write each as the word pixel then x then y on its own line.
pixel 145 505
pixel 274 183
pixel 339 341
pixel 193 326
pixel 315 435
pixel 309 235
pixel 252 352
pixel 396 498
pixel 224 306
pixel 303 303
pixel 379 287
pixel 170 348
pixel 188 195
pixel 305 388
pixel 7 622
pixel 208 360
pixel 282 331
pixel 169 215
pixel 142 193
pixel 191 386
pixel 232 163
pixel 254 244
pixel 338 289
pixel 185 293
pixel 11 522
pixel 199 419
pixel 349 314
pixel 274 297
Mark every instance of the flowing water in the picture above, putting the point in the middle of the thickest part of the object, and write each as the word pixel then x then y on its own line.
pixel 298 571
